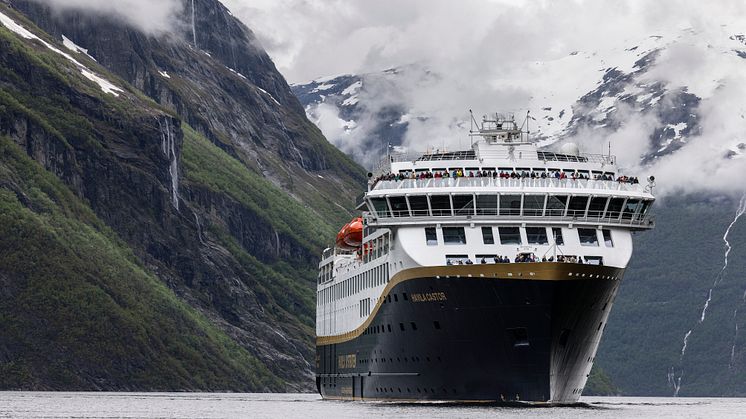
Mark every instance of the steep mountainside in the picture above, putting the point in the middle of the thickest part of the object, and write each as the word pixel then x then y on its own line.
pixel 197 169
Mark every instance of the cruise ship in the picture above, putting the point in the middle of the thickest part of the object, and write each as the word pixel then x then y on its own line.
pixel 481 275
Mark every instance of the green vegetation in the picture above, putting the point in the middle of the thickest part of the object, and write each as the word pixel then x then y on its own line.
pixel 208 165
pixel 662 296
pixel 599 384
pixel 67 282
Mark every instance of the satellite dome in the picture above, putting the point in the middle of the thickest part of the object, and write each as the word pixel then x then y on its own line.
pixel 570 148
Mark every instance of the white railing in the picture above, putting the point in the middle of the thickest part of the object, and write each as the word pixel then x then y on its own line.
pixel 525 183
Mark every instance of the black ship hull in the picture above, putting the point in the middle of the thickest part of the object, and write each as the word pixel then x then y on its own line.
pixel 492 333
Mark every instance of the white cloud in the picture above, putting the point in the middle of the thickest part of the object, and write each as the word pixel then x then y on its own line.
pixel 512 56
pixel 150 16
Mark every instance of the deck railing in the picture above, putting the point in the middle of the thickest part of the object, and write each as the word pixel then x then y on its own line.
pixel 525 183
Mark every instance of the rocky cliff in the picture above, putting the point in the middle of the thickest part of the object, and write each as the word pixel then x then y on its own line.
pixel 198 163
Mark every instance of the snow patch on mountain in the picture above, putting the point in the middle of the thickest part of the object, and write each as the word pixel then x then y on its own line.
pixel 105 85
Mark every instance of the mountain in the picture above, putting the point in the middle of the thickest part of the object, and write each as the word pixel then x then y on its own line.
pixel 164 206
pixel 650 97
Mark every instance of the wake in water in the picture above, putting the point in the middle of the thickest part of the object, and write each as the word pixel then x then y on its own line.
pixel 673 380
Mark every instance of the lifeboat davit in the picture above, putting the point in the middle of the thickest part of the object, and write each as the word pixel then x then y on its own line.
pixel 350 237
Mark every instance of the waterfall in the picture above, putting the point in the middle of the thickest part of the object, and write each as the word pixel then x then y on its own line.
pixel 168 147
pixel 194 26
pixel 672 379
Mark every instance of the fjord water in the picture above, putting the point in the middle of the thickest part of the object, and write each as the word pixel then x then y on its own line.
pixel 234 405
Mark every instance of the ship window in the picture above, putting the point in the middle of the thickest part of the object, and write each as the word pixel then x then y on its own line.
pixel 510 205
pixel 519 336
pixel 381 207
pixel 486 204
pixel 463 204
pixel 557 234
pixel 399 206
pixel 441 205
pixel 645 206
pixel 533 205
pixel 577 205
pixel 487 237
pixel 401 326
pixel 509 235
pixel 630 208
pixel 596 209
pixel 418 205
pixel 537 235
pixel 588 237
pixel 431 237
pixel 454 235
pixel 615 208
pixel 607 238
pixel 414 326
pixel 556 205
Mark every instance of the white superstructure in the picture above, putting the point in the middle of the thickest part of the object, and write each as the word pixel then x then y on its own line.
pixel 503 198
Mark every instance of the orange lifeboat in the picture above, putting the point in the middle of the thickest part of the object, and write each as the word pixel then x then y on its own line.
pixel 350 237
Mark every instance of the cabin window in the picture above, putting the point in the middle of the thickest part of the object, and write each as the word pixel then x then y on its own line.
pixel 533 205
pixel 418 205
pixel 630 208
pixel 509 235
pixel 454 235
pixel 597 206
pixel 556 205
pixel 537 235
pixel 381 206
pixel 607 238
pixel 487 236
pixel 644 209
pixel 456 259
pixel 399 206
pixel 463 204
pixel 557 233
pixel 486 204
pixel 431 238
pixel 441 205
pixel 588 237
pixel 576 207
pixel 519 336
pixel 510 205
pixel 615 208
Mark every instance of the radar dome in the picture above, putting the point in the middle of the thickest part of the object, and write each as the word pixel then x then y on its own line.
pixel 570 148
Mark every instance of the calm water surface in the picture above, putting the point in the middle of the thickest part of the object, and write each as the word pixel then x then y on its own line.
pixel 220 405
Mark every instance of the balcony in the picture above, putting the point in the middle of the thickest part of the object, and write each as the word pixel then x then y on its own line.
pixel 514 184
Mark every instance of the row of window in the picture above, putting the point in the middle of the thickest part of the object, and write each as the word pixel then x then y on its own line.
pixel 530 205
pixel 376 248
pixel 374 277
pixel 512 236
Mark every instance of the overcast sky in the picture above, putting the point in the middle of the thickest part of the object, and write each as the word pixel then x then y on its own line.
pixel 506 55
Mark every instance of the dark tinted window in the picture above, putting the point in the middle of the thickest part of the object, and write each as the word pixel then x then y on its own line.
pixel 607 238
pixel 536 235
pixel 509 235
pixel 381 206
pixel 533 205
pixel 596 209
pixel 463 204
pixel 577 205
pixel 418 205
pixel 487 235
pixel 615 208
pixel 399 206
pixel 454 235
pixel 556 205
pixel 486 204
pixel 588 237
pixel 510 205
pixel 431 238
pixel 441 205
